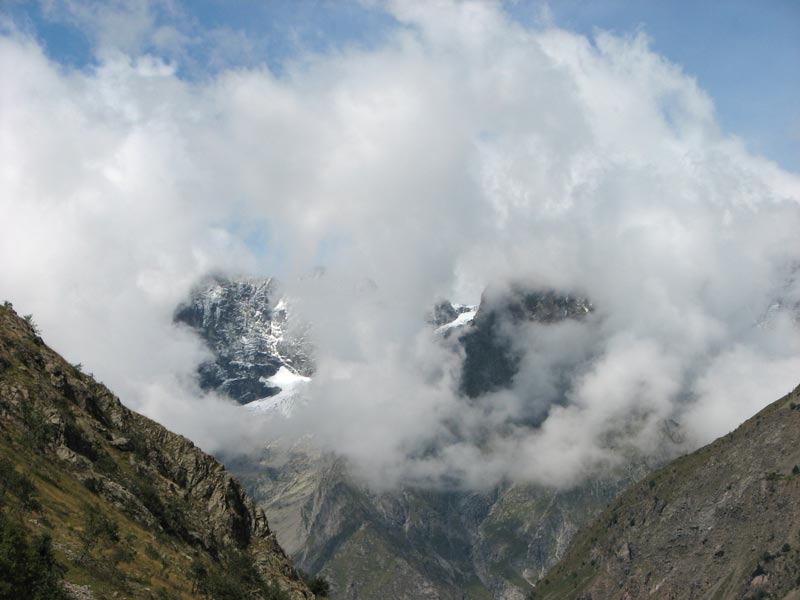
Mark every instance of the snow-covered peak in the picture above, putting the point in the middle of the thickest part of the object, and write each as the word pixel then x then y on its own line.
pixel 251 336
pixel 464 317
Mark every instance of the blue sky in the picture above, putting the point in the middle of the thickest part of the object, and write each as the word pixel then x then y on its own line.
pixel 746 54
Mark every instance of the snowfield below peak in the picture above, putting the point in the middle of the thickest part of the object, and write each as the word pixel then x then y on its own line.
pixel 464 318
pixel 293 388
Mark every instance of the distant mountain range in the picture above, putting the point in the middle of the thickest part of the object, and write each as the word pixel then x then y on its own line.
pixel 410 543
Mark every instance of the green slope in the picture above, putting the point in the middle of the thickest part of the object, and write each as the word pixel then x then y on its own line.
pixel 133 510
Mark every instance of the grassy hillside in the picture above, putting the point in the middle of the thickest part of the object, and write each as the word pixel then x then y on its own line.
pixel 130 509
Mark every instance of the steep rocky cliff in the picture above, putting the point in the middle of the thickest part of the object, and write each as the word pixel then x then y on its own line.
pixel 173 514
pixel 722 522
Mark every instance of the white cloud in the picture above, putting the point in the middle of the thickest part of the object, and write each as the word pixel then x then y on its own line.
pixel 462 151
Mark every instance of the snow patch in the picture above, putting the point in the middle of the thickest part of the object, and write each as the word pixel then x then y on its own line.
pixel 292 390
pixel 462 319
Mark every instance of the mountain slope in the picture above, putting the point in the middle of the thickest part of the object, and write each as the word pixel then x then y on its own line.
pixel 722 522
pixel 132 509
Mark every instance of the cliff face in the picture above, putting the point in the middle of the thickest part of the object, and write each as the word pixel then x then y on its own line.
pixel 86 453
pixel 722 522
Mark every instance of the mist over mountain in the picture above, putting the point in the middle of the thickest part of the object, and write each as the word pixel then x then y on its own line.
pixel 414 539
pixel 437 538
pixel 464 260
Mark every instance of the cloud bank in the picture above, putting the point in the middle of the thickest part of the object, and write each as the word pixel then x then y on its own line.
pixel 464 150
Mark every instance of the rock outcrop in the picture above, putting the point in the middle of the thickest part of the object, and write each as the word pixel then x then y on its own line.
pixel 246 325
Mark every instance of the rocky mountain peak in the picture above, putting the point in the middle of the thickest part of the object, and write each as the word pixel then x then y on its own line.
pixel 491 359
pixel 520 302
pixel 246 323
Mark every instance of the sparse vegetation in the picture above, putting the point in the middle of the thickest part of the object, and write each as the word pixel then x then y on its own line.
pixel 92 484
pixel 71 459
pixel 38 431
pixel 98 529
pixel 235 577
pixel 317 584
pixel 32 324
pixel 19 484
pixel 743 522
pixel 169 513
pixel 26 563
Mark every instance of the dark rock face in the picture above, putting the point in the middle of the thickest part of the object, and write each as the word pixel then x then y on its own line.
pixel 491 360
pixel 443 313
pixel 247 328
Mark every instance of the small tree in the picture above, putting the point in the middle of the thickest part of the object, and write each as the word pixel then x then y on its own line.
pixel 32 324
pixel 27 564
pixel 96 528
pixel 320 586
pixel 18 484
